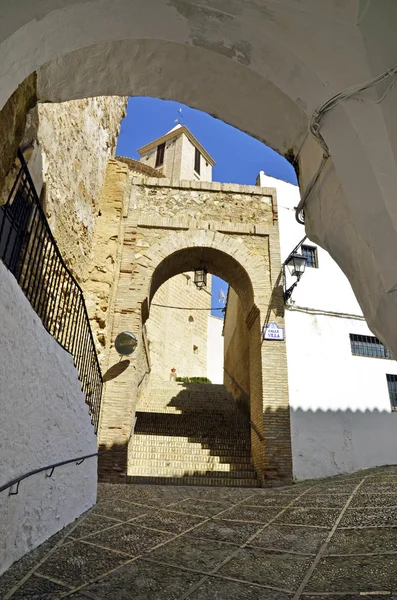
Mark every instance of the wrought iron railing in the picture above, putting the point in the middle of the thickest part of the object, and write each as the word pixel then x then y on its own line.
pixel 29 251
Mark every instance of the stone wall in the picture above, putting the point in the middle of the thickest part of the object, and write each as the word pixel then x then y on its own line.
pixel 12 126
pixel 103 271
pixel 206 201
pixel 178 338
pixel 237 359
pixel 76 139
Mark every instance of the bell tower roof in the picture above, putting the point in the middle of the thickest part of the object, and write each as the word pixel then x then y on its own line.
pixel 175 132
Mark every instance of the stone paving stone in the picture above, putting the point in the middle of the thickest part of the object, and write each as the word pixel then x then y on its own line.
pixel 367 517
pixel 152 495
pixel 268 500
pixel 129 538
pixel 92 524
pixel 235 532
pixel 19 569
pixel 121 511
pixel 256 514
pixel 255 565
pixel 363 541
pixel 199 507
pixel 367 500
pixel 224 494
pixel 77 563
pixel 222 589
pixel 322 500
pixel 37 588
pixel 337 487
pixel 357 574
pixel 306 540
pixel 142 580
pixel 347 597
pixel 372 487
pixel 203 555
pixel 169 521
pixel 309 516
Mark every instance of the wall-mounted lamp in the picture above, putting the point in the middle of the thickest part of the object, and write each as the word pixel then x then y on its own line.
pixel 295 264
pixel 200 278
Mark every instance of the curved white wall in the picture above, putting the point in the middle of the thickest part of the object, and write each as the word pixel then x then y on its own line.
pixel 44 419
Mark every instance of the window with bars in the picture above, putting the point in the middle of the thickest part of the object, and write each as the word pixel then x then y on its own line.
pixel 310 253
pixel 392 385
pixel 160 155
pixel 197 160
pixel 368 345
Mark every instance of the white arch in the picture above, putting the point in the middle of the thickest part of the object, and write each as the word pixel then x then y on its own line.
pixel 288 57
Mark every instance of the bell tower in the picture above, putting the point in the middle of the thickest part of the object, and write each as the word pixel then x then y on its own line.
pixel 178 155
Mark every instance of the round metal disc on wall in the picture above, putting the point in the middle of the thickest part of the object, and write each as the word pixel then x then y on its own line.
pixel 125 343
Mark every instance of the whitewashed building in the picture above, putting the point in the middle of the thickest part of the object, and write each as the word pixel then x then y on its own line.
pixel 342 380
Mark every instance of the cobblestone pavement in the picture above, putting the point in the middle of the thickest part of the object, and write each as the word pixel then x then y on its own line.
pixel 336 538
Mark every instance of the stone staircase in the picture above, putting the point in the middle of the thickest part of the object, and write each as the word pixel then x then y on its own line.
pixel 190 434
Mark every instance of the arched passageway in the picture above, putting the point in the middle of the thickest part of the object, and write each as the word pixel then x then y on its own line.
pixel 263 67
pixel 248 259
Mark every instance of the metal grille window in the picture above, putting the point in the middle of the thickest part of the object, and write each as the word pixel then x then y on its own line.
pixel 368 345
pixel 310 253
pixel 197 160
pixel 392 385
pixel 160 155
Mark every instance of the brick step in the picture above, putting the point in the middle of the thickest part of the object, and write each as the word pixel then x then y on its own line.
pixel 231 438
pixel 180 441
pixel 153 441
pixel 148 471
pixel 143 451
pixel 192 461
pixel 195 435
pixel 172 420
pixel 224 455
pixel 188 407
pixel 188 480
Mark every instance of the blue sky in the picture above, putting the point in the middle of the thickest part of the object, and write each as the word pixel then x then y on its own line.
pixel 238 157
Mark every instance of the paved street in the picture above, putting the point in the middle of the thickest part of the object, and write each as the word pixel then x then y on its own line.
pixel 331 539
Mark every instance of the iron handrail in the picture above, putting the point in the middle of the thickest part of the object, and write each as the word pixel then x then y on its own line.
pixel 51 468
pixel 254 427
pixel 29 250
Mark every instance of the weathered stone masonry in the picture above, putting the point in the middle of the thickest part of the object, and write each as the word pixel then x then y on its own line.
pixel 165 230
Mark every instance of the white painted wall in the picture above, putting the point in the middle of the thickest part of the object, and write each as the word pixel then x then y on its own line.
pixel 215 349
pixel 44 419
pixel 341 419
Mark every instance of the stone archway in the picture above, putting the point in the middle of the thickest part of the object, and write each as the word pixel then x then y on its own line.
pixel 247 256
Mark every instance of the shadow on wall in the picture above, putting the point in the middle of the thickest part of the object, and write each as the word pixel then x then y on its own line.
pixel 112 464
pixel 116 370
pixel 326 443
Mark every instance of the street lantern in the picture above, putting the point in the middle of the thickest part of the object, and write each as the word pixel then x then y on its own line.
pixel 200 278
pixel 296 264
